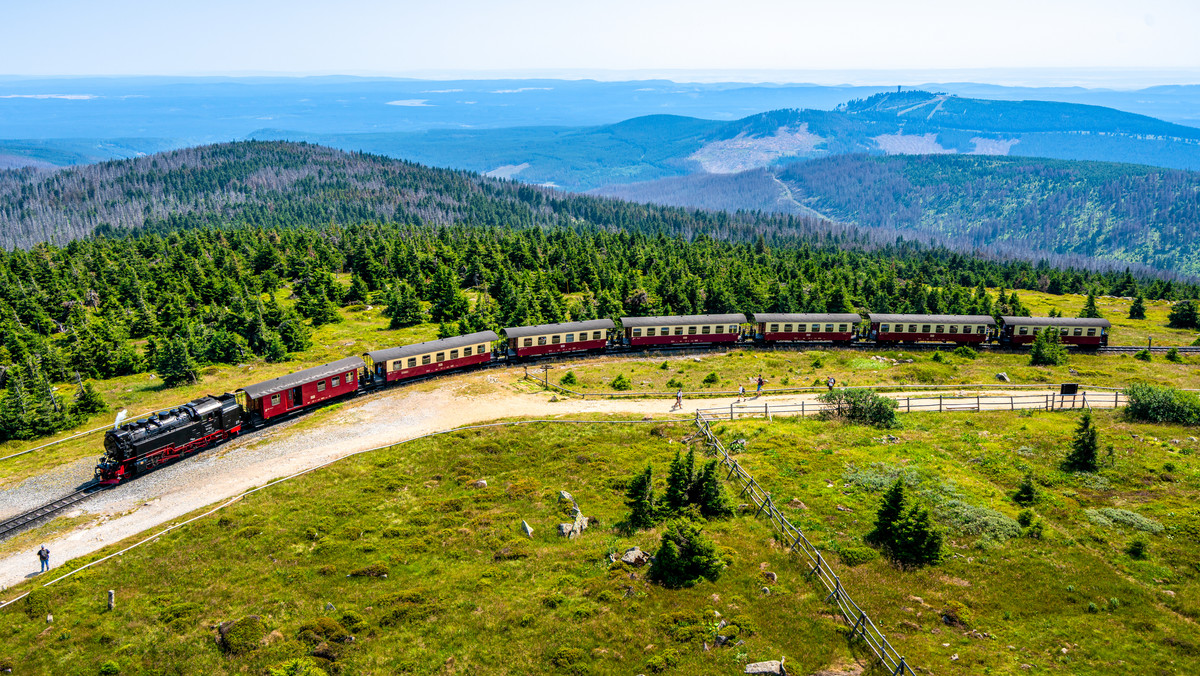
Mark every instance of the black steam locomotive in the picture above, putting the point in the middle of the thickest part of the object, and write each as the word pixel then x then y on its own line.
pixel 140 446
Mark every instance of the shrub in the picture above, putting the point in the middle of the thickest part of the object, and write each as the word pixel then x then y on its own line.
pixel 1026 491
pixel 1137 549
pixel 1173 355
pixel 856 556
pixel 569 379
pixel 685 557
pixel 864 407
pixel 1143 355
pixel 37 604
pixel 326 629
pixel 621 383
pixel 664 366
pixel 1085 446
pixel 1047 349
pixel 352 621
pixel 663 661
pixel 640 499
pixel 1092 607
pixel 711 379
pixel 713 500
pixel 298 666
pixel 243 635
pixel 675 384
pixel 373 570
pixel 938 357
pixel 1025 518
pixel 567 658
pixel 110 668
pixel 1111 516
pixel 965 352
pixel 1154 404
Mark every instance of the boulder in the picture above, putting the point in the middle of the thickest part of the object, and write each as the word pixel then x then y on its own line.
pixel 479 484
pixel 1003 377
pixel 634 556
pixel 771 667
pixel 771 577
pixel 527 530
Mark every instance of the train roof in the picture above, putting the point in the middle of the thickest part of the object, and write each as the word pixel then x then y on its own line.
pixel 432 346
pixel 543 329
pixel 945 319
pixel 1055 321
pixel 803 317
pixel 301 377
pixel 683 320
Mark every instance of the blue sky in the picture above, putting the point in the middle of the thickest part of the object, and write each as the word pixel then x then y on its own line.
pixel 600 37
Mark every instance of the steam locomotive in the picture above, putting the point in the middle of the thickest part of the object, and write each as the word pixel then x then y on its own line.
pixel 141 446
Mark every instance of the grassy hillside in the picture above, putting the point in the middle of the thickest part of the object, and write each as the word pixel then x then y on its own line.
pixel 465 592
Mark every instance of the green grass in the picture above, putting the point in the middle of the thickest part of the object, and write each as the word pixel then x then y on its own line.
pixel 284 553
pixel 1030 594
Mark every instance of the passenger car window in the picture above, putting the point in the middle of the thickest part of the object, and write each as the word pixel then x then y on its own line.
pixel 441 356
pixel 842 327
pixel 1078 331
pixel 570 338
pixel 691 330
pixel 467 351
pixel 595 335
pixel 337 380
pixel 775 327
pixel 967 329
pixel 953 328
pixel 924 328
pixel 912 328
pixel 649 333
pixel 425 359
pixel 829 328
pixel 637 333
pixel 541 340
pixel 883 328
pixel 528 342
pixel 412 361
pixel 555 339
pixel 454 354
pixel 705 329
pixel 679 330
pixel 1023 331
pixel 274 399
pixel 1091 332
pixel 321 386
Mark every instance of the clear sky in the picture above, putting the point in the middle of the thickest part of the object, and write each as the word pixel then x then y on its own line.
pixel 569 37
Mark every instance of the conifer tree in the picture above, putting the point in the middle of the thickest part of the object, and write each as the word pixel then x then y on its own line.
pixel 1137 310
pixel 403 308
pixel 1090 311
pixel 176 366
pixel 357 293
pixel 686 557
pixel 1026 491
pixel 449 302
pixel 918 542
pixel 889 513
pixel 714 500
pixel 1085 446
pixel 679 482
pixel 640 499
pixel 1047 349
pixel 1184 315
pixel 87 400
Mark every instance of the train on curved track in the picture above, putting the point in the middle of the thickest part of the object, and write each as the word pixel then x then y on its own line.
pixel 138 447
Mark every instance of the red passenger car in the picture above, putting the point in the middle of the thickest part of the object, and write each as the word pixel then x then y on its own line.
pixel 1088 333
pixel 447 354
pixel 530 341
pixel 788 327
pixel 682 329
pixel 960 329
pixel 300 390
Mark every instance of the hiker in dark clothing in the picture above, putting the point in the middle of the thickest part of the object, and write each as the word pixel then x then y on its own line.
pixel 44 557
pixel 758 392
pixel 830 382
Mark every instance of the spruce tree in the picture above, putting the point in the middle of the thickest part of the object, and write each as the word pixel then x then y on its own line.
pixel 640 499
pixel 1085 446
pixel 1090 311
pixel 357 293
pixel 714 500
pixel 403 308
pixel 175 363
pixel 679 481
pixel 888 515
pixel 918 542
pixel 1138 309
pixel 1026 491
pixel 87 400
pixel 1047 349
pixel 685 557
pixel 449 302
pixel 1184 315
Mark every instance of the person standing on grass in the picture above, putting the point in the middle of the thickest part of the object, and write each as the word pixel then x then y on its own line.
pixel 44 557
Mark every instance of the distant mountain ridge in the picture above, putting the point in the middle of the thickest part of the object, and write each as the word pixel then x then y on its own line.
pixel 895 123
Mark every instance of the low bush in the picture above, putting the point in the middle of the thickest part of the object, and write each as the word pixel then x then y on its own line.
pixel 938 357
pixel 1155 404
pixel 1137 549
pixel 686 556
pixel 621 383
pixel 243 635
pixel 110 668
pixel 1110 516
pixel 1173 355
pixel 675 384
pixel 864 407
pixel 352 621
pixel 37 604
pixel 965 352
pixel 298 666
pixel 373 570
pixel 326 629
pixel 664 661
pixel 856 556
pixel 1142 355
pixel 568 659
pixel 711 379
pixel 569 379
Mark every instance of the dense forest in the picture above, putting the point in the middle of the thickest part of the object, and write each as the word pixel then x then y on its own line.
pixel 1126 213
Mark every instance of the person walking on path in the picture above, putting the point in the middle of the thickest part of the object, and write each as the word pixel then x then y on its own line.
pixel 678 400
pixel 758 392
pixel 44 557
pixel 741 393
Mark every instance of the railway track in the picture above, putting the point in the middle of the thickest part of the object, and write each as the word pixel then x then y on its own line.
pixel 20 522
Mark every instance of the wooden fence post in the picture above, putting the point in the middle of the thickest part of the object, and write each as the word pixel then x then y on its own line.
pixel 767 411
pixel 908 404
pixel 801 408
pixel 939 403
pixel 1012 405
pixel 731 412
pixel 112 599
pixel 977 406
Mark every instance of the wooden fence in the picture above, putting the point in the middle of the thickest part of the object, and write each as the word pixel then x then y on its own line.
pixel 941 404
pixel 861 626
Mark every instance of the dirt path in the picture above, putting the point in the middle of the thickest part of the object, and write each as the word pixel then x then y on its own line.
pixel 368 422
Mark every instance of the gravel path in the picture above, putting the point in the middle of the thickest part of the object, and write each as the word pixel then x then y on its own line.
pixel 375 420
